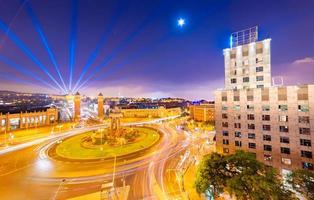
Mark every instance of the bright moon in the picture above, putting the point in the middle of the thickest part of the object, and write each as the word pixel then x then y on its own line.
pixel 181 22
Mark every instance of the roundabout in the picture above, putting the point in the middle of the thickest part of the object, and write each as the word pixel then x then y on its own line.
pixel 93 145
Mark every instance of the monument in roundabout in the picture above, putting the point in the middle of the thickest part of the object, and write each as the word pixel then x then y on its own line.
pixel 107 142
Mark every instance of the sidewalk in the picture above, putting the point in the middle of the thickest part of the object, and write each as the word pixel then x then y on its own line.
pixel 189 179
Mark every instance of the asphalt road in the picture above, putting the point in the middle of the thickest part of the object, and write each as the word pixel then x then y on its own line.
pixel 29 173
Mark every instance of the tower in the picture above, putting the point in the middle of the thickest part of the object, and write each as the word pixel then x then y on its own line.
pixel 100 106
pixel 77 107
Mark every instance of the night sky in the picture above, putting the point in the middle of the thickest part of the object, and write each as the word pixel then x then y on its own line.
pixel 135 48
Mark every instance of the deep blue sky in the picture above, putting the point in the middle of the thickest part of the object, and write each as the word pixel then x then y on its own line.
pixel 147 53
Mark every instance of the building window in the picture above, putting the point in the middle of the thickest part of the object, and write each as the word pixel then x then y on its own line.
pixel 267 137
pixel 266 127
pixel 259 78
pixel 265 107
pixel 305 131
pixel 307 165
pixel 225 133
pixel 266 117
pixel 282 107
pixel 283 118
pixel 284 140
pixel 305 142
pixel 224 115
pixel 284 129
pixel 224 108
pixel 237 116
pixel 267 157
pixel 225 150
pixel 224 98
pixel 267 148
pixel 251 135
pixel 250 107
pixel 306 154
pixel 286 161
pixel 237 134
pixel 250 117
pixel 225 124
pixel 236 98
pixel 252 145
pixel 260 86
pixel 236 107
pixel 246 79
pixel 238 143
pixel 250 98
pixel 259 69
pixel 237 125
pixel 233 80
pixel 225 141
pixel 251 126
pixel 304 119
pixel 284 150
pixel 303 108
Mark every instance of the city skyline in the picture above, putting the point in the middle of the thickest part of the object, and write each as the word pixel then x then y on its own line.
pixel 146 53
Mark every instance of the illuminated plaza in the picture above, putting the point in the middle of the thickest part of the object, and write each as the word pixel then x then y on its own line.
pixel 156 100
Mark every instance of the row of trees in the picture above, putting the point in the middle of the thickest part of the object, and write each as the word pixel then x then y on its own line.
pixel 242 176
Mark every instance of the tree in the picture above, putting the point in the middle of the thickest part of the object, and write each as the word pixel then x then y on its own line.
pixel 303 182
pixel 211 174
pixel 240 175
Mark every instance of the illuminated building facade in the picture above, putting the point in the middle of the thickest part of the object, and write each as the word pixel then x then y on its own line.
pixel 274 122
pixel 203 112
pixel 151 112
pixel 24 120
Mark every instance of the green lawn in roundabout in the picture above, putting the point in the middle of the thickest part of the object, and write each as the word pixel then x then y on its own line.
pixel 72 148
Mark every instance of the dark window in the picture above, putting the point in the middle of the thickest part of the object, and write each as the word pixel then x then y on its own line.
pixel 259 78
pixel 306 154
pixel 251 126
pixel 284 140
pixel 225 124
pixel 237 134
pixel 252 145
pixel 251 135
pixel 224 116
pixel 307 165
pixel 267 137
pixel 266 117
pixel 284 129
pixel 225 141
pixel 305 131
pixel 225 133
pixel 246 79
pixel 224 98
pixel 266 127
pixel 305 142
pixel 304 119
pixel 267 148
pixel 238 143
pixel 260 86
pixel 285 150
pixel 250 98
pixel 259 69
pixel 236 98
pixel 233 80
pixel 250 117
pixel 250 107
pixel 237 125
